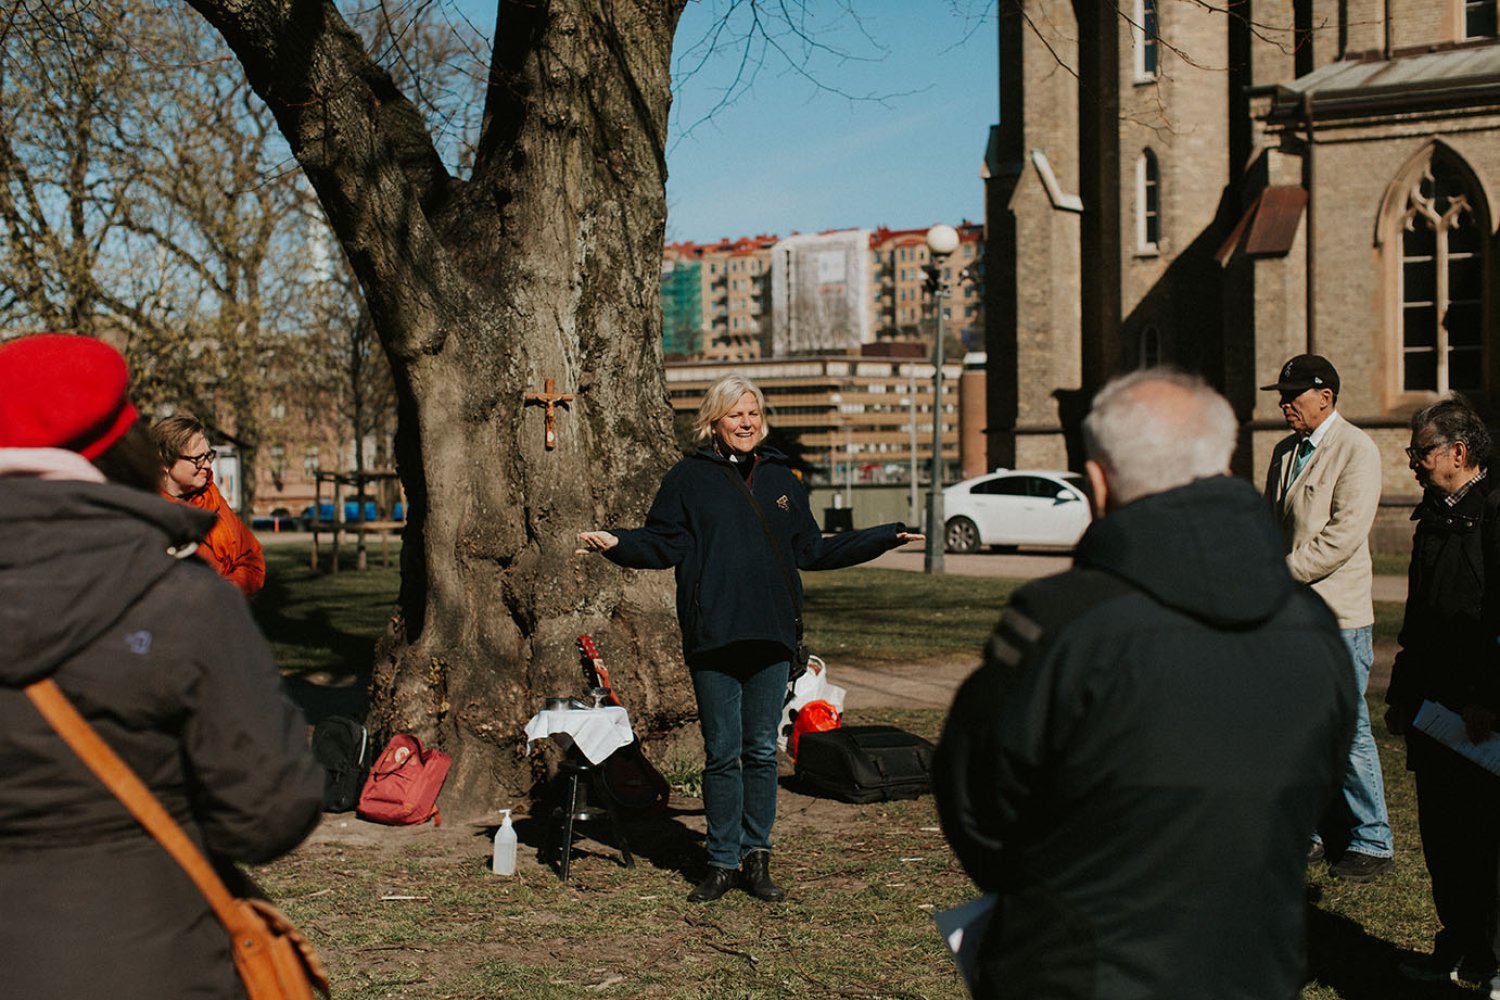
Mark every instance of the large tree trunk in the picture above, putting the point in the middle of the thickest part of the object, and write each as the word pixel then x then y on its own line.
pixel 544 264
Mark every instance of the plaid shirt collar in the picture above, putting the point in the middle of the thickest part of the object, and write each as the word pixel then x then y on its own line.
pixel 1453 498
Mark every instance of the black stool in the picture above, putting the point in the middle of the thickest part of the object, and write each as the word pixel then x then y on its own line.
pixel 578 775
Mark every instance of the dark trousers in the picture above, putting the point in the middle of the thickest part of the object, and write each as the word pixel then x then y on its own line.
pixel 1458 809
pixel 739 708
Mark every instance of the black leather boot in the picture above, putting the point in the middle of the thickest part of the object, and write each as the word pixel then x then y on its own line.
pixel 718 882
pixel 757 868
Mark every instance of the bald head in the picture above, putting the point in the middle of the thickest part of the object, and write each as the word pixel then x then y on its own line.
pixel 1154 430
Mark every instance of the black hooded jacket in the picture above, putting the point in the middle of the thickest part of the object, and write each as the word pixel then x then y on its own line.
pixel 1137 768
pixel 731 588
pixel 1452 615
pixel 162 658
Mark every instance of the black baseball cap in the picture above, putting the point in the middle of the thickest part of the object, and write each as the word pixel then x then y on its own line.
pixel 1306 371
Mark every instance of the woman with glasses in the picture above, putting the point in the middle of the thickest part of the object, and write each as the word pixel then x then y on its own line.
pixel 188 477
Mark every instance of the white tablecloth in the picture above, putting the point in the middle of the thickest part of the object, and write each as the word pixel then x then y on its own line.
pixel 597 732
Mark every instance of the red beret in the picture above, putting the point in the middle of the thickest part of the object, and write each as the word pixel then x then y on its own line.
pixel 58 390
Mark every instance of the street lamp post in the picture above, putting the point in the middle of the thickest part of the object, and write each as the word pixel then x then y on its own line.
pixel 838 401
pixel 942 240
pixel 849 458
pixel 913 509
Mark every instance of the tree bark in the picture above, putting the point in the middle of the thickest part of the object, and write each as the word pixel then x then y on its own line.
pixel 543 264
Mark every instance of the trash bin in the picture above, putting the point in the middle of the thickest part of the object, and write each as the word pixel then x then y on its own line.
pixel 838 519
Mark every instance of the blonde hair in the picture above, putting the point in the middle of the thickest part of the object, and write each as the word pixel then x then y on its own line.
pixel 721 398
pixel 172 435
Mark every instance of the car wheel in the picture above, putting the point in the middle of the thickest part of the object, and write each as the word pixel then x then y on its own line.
pixel 961 535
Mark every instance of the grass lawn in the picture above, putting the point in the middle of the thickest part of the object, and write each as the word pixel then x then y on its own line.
pixel 1391 563
pixel 328 622
pixel 414 914
pixel 892 615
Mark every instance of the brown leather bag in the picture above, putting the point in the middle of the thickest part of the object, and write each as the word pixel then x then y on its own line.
pixel 274 960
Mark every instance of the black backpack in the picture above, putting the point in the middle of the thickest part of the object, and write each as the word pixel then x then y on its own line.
pixel 865 763
pixel 342 746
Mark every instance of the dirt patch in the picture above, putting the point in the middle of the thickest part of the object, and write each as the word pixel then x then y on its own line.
pixel 920 685
pixel 414 912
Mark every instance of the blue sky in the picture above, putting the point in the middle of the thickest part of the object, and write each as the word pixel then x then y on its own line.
pixel 886 126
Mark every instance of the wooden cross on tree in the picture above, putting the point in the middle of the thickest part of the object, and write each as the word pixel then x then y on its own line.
pixel 551 399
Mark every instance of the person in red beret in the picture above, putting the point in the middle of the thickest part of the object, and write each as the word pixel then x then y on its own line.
pixel 100 594
pixel 188 477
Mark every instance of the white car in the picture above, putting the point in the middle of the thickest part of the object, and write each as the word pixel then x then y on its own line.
pixel 1016 507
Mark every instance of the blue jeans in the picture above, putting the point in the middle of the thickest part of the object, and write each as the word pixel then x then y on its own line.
pixel 739 707
pixel 1369 832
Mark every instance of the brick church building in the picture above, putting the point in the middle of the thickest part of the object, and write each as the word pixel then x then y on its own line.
pixel 1220 189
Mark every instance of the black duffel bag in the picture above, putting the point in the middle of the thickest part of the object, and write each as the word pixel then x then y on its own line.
pixel 865 763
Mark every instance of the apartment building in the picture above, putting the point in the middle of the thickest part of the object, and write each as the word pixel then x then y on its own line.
pixel 870 412
pixel 733 282
pixel 811 293
pixel 898 282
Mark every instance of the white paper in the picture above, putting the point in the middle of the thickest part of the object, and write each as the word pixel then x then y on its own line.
pixel 962 929
pixel 1447 727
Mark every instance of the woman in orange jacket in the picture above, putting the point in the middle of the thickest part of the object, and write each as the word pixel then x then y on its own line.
pixel 187 477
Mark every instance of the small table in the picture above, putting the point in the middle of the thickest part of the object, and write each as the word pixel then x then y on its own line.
pixel 596 732
pixel 590 735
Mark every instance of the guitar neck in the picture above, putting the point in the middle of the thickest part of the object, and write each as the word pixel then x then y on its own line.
pixel 594 670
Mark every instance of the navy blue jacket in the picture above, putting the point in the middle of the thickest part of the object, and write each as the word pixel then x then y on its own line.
pixel 729 586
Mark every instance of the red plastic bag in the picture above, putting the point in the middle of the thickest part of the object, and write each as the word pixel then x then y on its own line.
pixel 403 786
pixel 814 717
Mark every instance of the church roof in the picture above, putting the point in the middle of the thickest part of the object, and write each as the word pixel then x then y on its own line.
pixel 1429 79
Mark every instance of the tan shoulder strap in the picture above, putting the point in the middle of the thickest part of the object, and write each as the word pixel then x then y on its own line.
pixel 117 776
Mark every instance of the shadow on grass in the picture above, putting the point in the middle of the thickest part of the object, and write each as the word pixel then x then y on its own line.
pixel 323 631
pixel 662 841
pixel 319 701
pixel 1357 966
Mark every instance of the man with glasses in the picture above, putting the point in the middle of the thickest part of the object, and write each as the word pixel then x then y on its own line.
pixel 1448 658
pixel 187 477
pixel 1324 486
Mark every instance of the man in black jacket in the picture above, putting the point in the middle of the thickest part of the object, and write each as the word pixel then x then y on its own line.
pixel 1136 769
pixel 1448 658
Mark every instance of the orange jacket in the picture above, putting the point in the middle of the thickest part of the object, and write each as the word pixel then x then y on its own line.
pixel 229 548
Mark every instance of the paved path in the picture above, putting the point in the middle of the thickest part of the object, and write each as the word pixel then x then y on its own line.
pixel 933 685
pixel 1028 565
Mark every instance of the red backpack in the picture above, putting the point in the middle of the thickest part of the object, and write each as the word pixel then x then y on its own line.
pixel 403 786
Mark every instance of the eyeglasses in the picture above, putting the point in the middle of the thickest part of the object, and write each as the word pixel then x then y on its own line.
pixel 1418 454
pixel 202 461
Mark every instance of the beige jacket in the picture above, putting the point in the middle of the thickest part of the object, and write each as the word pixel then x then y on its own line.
pixel 1325 516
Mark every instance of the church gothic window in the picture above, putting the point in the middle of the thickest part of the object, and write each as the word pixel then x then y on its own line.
pixel 1442 280
pixel 1147 203
pixel 1146 40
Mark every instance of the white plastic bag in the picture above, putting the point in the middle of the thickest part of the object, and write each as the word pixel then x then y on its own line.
pixel 811 686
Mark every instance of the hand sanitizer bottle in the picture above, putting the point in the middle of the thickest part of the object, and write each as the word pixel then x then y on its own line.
pixel 504 862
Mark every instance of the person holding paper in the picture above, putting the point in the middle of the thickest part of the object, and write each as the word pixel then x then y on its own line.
pixel 1137 768
pixel 1448 656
